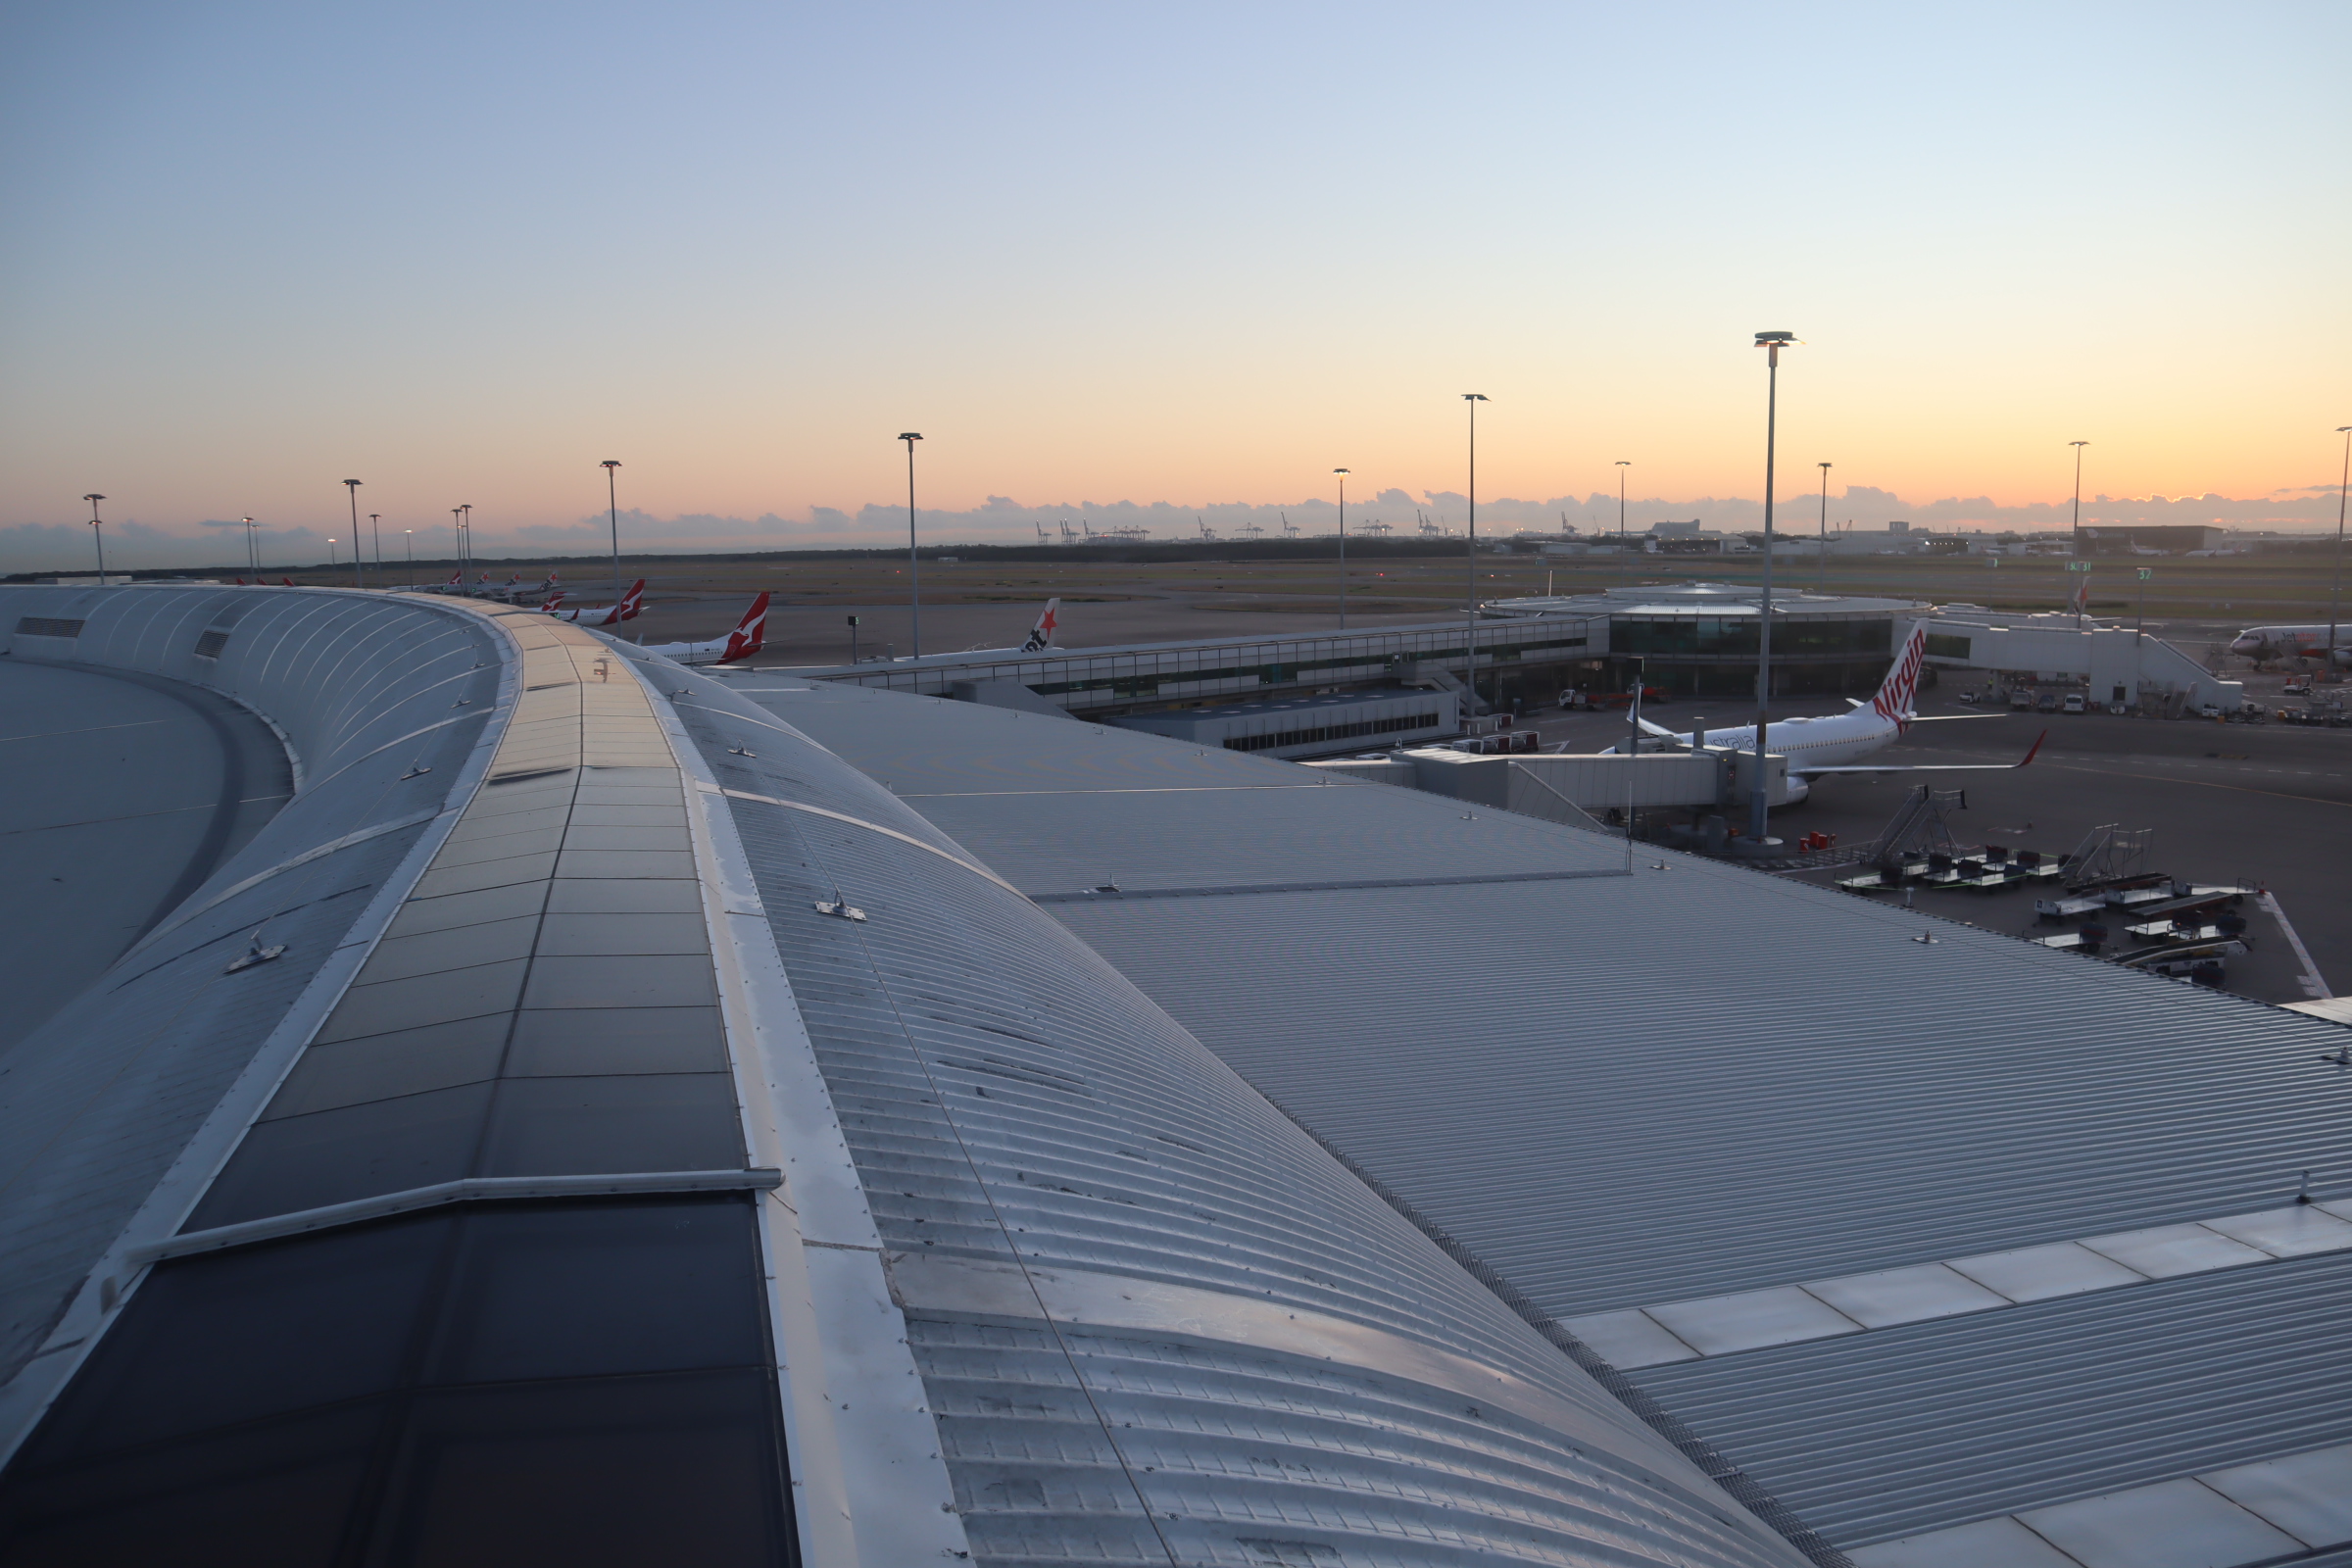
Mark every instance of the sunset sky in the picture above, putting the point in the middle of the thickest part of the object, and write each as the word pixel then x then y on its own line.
pixel 1193 254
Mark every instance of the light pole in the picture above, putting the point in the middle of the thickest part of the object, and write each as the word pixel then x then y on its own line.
pixel 377 535
pixel 467 510
pixel 1623 463
pixel 351 488
pixel 334 562
pixel 1824 527
pixel 412 542
pixel 611 465
pixel 1343 474
pixel 914 562
pixel 1470 607
pixel 253 553
pixel 2075 549
pixel 98 533
pixel 1759 798
pixel 457 543
pixel 2335 595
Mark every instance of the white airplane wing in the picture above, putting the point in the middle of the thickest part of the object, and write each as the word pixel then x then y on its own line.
pixel 1929 767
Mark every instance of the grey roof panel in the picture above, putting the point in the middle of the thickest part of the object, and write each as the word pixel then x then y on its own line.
pixel 1010 1100
pixel 1620 1092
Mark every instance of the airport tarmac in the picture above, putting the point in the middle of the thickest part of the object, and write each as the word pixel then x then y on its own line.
pixel 2263 805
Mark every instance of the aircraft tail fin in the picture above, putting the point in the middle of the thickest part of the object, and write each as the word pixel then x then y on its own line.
pixel 1901 686
pixel 631 603
pixel 750 634
pixel 1040 635
pixel 288 582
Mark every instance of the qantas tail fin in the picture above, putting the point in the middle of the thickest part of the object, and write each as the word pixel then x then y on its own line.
pixel 456 578
pixel 750 634
pixel 240 582
pixel 553 602
pixel 1901 686
pixel 1040 635
pixel 630 604
pixel 288 582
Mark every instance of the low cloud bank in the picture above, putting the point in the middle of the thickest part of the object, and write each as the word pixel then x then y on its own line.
pixel 1002 519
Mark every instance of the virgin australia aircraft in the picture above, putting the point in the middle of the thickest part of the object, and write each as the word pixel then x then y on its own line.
pixel 1819 746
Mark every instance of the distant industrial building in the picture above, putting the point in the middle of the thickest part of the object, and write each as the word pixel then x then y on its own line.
pixel 2171 538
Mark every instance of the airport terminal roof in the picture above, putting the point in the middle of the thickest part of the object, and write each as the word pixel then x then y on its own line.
pixel 1695 1081
pixel 613 1110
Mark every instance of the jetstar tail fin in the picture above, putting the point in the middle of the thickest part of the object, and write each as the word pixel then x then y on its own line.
pixel 1040 635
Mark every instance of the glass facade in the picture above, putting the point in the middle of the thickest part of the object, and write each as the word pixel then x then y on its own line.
pixel 573 1384
pixel 1735 637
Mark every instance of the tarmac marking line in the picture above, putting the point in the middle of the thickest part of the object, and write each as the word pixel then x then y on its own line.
pixel 2160 779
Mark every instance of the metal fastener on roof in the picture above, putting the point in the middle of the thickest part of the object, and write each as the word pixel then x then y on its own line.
pixel 257 954
pixel 840 910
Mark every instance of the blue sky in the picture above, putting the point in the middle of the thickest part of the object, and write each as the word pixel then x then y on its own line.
pixel 1189 255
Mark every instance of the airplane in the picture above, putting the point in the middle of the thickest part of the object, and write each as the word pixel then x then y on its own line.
pixel 2293 642
pixel 631 604
pixel 741 643
pixel 1821 747
pixel 1040 635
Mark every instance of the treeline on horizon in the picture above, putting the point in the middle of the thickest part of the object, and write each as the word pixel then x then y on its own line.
pixel 1321 546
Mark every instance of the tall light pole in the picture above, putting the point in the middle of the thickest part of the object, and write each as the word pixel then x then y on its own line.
pixel 1623 463
pixel 1470 607
pixel 457 543
pixel 914 562
pixel 2076 546
pixel 412 542
pixel 351 488
pixel 1343 474
pixel 468 510
pixel 253 553
pixel 377 535
pixel 612 508
pixel 98 533
pixel 2335 595
pixel 1759 798
pixel 1824 527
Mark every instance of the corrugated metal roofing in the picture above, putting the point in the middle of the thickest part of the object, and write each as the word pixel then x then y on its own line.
pixel 97 1104
pixel 1697 1079
pixel 1012 1102
pixel 1885 1434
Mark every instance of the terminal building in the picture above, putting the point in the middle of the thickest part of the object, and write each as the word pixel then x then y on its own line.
pixel 478 1093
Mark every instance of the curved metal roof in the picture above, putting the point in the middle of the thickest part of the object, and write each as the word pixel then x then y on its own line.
pixel 1154 1319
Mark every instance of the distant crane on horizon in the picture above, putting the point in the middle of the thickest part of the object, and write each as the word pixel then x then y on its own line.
pixel 1250 530
pixel 1207 532
pixel 1290 530
pixel 1041 535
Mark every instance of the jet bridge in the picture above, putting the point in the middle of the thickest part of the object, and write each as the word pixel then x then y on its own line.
pixel 1711 776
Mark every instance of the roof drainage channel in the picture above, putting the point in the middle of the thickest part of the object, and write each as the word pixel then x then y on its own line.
pixel 2274 1512
pixel 869 1483
pixel 1821 1310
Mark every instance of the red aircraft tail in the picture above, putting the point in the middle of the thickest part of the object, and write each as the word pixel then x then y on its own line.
pixel 749 634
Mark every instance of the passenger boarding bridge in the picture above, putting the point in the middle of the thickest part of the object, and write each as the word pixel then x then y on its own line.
pixel 1096 682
